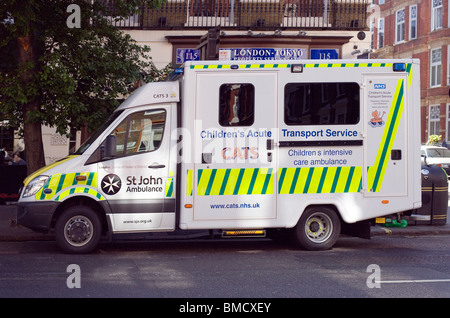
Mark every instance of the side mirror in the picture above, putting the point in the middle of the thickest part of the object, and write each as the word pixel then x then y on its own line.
pixel 109 148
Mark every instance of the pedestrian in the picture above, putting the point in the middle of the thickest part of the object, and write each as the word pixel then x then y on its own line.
pixel 17 161
pixel 4 154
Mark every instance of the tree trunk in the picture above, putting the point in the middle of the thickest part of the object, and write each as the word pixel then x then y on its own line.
pixel 32 130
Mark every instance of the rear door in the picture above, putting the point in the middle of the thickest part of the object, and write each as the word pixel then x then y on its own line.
pixel 235 132
pixel 385 150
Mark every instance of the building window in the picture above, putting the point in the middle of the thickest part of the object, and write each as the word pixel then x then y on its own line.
pixel 436 15
pixel 436 66
pixel 434 120
pixel 380 33
pixel 413 22
pixel 400 26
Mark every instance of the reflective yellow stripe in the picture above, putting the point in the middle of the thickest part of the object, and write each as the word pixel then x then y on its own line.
pixel 241 66
pixel 409 70
pixel 217 182
pixel 319 180
pixel 169 185
pixel 61 181
pixel 235 181
pixel 79 190
pixel 189 182
pixel 376 173
pixel 335 65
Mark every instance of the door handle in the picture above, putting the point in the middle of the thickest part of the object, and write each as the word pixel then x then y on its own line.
pixel 156 166
pixel 396 154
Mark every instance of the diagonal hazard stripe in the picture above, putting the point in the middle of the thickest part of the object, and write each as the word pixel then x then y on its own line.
pixel 235 181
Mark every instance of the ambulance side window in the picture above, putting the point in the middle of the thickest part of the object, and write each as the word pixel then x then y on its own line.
pixel 321 103
pixel 140 132
pixel 236 105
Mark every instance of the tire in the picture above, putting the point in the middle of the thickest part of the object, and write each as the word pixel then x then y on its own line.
pixel 318 229
pixel 78 230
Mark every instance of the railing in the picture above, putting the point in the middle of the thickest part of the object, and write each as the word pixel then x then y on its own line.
pixel 251 14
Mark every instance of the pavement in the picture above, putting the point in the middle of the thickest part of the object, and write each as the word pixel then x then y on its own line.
pixel 10 231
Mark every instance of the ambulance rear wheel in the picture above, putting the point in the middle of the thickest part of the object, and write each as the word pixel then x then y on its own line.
pixel 78 230
pixel 318 229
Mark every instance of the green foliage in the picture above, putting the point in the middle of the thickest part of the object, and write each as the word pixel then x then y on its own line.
pixel 79 74
pixel 434 140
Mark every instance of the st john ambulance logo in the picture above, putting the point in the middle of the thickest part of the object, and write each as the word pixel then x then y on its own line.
pixel 111 184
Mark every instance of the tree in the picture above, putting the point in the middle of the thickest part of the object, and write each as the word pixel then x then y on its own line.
pixel 72 65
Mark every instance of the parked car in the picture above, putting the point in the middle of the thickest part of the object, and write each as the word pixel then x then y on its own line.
pixel 435 155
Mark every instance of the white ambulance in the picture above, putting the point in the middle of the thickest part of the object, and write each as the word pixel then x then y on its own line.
pixel 242 148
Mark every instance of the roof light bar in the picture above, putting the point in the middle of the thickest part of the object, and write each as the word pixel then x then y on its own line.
pixel 399 67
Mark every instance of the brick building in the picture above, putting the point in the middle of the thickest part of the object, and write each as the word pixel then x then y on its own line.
pixel 419 29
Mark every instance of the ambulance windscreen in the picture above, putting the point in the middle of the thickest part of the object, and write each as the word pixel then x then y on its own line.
pixel 97 133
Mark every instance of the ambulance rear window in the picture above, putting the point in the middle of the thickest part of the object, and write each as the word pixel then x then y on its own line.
pixel 321 103
pixel 236 104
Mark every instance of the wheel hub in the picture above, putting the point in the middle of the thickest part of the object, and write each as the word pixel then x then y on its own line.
pixel 314 227
pixel 318 227
pixel 78 231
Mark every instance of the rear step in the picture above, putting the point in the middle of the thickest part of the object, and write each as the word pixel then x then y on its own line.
pixel 243 233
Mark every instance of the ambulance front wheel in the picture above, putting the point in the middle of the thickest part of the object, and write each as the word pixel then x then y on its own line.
pixel 78 230
pixel 318 229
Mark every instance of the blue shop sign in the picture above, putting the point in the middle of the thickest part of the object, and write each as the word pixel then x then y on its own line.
pixel 324 54
pixel 238 54
pixel 187 55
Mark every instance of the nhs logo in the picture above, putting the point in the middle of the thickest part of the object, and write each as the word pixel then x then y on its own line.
pixel 379 86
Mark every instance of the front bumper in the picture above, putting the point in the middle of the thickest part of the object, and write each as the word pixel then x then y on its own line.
pixel 36 216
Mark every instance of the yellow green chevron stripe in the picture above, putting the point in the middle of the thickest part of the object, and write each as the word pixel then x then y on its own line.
pixel 227 66
pixel 84 190
pixel 189 182
pixel 409 70
pixel 60 181
pixel 308 65
pixel 319 180
pixel 328 65
pixel 235 181
pixel 375 173
pixel 169 185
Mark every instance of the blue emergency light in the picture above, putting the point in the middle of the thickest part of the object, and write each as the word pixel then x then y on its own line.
pixel 399 67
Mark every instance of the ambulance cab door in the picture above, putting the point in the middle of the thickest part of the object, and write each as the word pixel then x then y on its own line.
pixel 137 181
pixel 235 174
pixel 385 146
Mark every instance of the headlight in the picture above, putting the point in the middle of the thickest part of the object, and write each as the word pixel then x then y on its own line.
pixel 34 186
